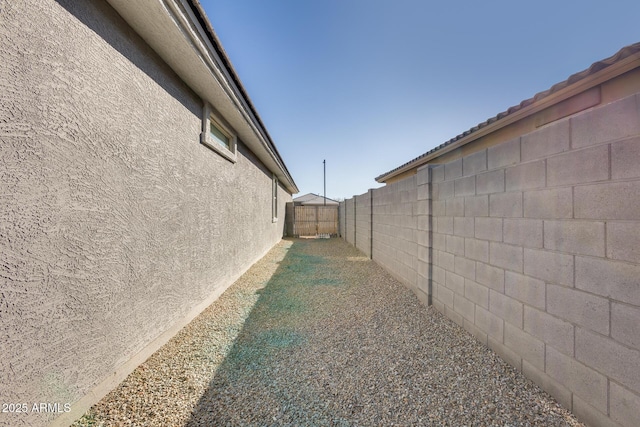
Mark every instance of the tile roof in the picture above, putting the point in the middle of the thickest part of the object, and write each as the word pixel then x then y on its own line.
pixel 623 53
pixel 312 198
pixel 202 18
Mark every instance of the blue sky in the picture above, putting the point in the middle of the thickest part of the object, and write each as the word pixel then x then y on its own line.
pixel 369 84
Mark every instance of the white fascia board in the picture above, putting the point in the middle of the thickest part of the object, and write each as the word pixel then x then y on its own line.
pixel 173 32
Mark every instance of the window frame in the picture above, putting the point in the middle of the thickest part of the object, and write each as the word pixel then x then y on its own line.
pixel 209 118
pixel 274 198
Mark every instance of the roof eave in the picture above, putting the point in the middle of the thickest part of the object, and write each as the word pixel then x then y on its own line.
pixel 179 32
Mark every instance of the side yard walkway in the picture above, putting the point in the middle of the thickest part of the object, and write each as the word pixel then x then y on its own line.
pixel 316 334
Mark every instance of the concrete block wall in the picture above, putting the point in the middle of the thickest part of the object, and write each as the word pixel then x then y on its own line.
pixel 349 224
pixel 363 222
pixel 395 230
pixel 532 246
pixel 535 254
pixel 342 220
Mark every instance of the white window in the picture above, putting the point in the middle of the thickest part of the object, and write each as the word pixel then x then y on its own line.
pixel 217 136
pixel 274 198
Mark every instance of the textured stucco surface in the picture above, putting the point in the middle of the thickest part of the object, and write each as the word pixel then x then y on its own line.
pixel 114 220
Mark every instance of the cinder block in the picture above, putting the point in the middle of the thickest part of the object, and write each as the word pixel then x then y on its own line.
pixel 439 207
pixel 490 182
pixel 625 324
pixel 454 282
pixel 422 226
pixel 552 330
pixel 505 204
pixel 455 206
pixel 489 323
pixel 453 169
pixel 444 224
pixel 505 353
pixel 465 267
pixel 524 288
pixel 446 260
pixel 607 356
pixel 551 203
pixel 424 192
pixel 578 237
pixel 590 415
pixel 423 273
pixel 506 256
pixel 474 163
pixel 531 349
pixel 625 158
pixel 545 382
pixel 465 186
pixel 582 380
pixel 476 332
pixel 476 293
pixel 506 308
pixel 624 406
pixel 476 249
pixel 438 274
pixel 443 190
pixel 423 253
pixel 489 229
pixel 610 122
pixel 623 241
pixel 616 200
pixel 422 176
pixel 525 176
pixel 577 167
pixel 579 307
pixel 505 154
pixel 439 241
pixel 423 235
pixel 453 315
pixel 549 266
pixel 545 141
pixel 463 226
pixel 490 276
pixel 444 295
pixel 464 307
pixel 439 305
pixel 476 206
pixel 455 245
pixel 616 280
pixel 437 173
pixel 522 232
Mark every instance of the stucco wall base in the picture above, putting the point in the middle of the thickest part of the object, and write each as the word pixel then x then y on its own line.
pixel 119 375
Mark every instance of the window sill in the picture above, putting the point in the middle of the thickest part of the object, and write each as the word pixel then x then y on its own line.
pixel 206 140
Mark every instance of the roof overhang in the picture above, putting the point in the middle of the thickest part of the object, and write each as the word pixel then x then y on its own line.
pixel 622 62
pixel 180 33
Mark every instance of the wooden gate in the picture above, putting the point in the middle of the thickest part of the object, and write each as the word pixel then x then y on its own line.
pixel 314 220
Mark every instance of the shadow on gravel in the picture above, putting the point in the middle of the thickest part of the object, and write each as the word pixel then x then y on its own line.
pixel 334 341
pixel 258 383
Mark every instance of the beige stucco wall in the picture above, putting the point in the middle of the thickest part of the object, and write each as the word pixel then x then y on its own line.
pixel 115 222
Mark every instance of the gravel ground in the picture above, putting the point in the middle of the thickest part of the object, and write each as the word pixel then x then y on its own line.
pixel 315 334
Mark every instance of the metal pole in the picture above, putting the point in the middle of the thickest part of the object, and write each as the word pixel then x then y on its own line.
pixel 324 167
